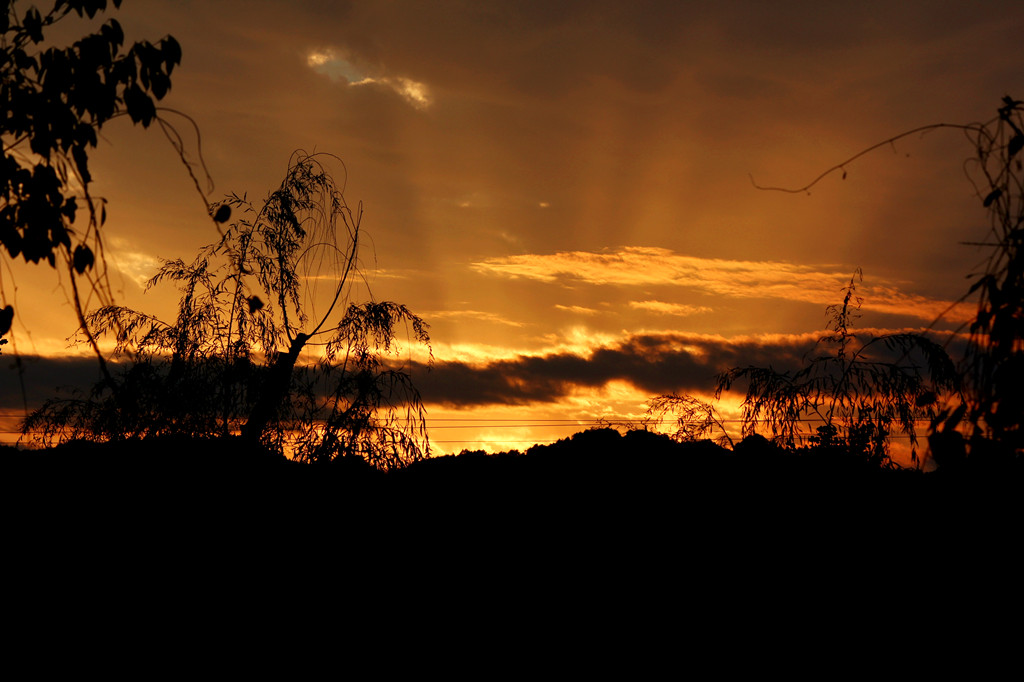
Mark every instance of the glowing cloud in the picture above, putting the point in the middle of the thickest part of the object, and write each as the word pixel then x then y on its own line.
pixel 136 265
pixel 315 59
pixel 663 308
pixel 471 314
pixel 650 266
pixel 417 93
pixel 577 309
pixel 329 63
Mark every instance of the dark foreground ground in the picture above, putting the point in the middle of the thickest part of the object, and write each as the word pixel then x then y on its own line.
pixel 626 538
pixel 597 474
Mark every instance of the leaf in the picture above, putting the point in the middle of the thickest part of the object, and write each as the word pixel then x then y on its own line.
pixel 925 399
pixel 70 208
pixel 113 33
pixel 992 196
pixel 33 25
pixel 223 214
pixel 159 83
pixel 171 51
pixel 6 319
pixel 980 283
pixel 83 258
pixel 1015 145
pixel 955 417
pixel 140 107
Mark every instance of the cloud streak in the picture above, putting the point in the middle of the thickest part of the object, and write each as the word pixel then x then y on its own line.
pixel 577 309
pixel 665 308
pixel 328 62
pixel 479 315
pixel 639 266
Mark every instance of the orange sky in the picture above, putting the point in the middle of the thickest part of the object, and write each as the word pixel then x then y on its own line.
pixel 562 189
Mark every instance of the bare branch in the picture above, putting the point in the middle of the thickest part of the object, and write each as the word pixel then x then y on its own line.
pixel 974 127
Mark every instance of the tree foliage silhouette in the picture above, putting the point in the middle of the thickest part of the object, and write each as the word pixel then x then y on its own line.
pixel 55 101
pixel 694 419
pixel 992 404
pixel 856 389
pixel 250 305
pixel 994 362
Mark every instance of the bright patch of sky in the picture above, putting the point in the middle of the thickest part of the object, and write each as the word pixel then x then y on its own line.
pixel 329 63
pixel 138 265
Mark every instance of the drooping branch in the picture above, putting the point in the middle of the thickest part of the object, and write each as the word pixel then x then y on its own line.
pixel 843 164
pixel 994 357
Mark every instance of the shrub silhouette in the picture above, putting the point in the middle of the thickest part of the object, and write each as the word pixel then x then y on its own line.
pixel 229 364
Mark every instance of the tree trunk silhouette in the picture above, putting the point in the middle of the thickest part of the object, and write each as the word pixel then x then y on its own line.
pixel 275 390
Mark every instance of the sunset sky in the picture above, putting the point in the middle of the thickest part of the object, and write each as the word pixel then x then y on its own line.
pixel 562 190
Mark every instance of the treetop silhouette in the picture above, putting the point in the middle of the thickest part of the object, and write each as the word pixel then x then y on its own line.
pixel 992 404
pixel 853 390
pixel 852 393
pixel 229 364
pixel 859 398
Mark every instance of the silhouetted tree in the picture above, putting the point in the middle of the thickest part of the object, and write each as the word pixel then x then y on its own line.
pixel 992 404
pixel 857 390
pixel 995 358
pixel 55 101
pixel 250 306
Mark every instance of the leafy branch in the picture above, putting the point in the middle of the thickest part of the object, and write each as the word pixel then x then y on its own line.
pixel 858 390
pixel 993 405
pixel 695 419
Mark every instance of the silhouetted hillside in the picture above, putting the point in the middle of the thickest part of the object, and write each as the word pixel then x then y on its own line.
pixel 638 519
pixel 594 478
